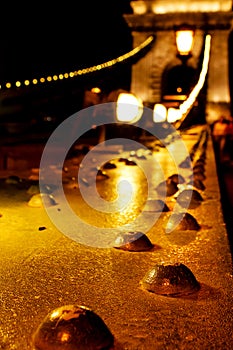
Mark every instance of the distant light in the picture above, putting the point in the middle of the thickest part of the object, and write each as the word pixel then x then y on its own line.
pixel 159 113
pixel 184 41
pixel 173 115
pixel 129 108
pixel 139 7
pixel 96 90
pixel 54 314
pixel 17 84
pixel 65 336
pixel 95 68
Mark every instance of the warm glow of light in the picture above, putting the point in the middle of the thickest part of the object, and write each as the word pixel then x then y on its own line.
pixel 159 113
pixel 139 7
pixel 18 84
pixel 188 103
pixel 129 108
pixel 184 41
pixel 54 314
pixel 65 337
pixel 96 90
pixel 173 115
pixel 92 69
pixel 161 6
pixel 26 82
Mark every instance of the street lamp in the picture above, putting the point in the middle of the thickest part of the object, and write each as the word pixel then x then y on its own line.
pixel 161 114
pixel 129 108
pixel 184 42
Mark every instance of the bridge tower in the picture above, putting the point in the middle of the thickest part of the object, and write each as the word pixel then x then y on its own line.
pixel 160 18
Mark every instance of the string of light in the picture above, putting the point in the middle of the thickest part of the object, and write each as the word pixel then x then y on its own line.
pixel 80 72
pixel 189 102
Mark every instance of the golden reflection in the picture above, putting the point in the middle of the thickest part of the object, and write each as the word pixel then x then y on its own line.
pixel 54 314
pixel 63 336
pixel 126 190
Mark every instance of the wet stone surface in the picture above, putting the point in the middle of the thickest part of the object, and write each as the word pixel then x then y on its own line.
pixel 43 269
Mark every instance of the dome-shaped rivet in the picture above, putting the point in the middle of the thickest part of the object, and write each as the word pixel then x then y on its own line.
pixel 174 280
pixel 72 327
pixel 167 188
pixel 133 241
pixel 156 205
pixel 189 198
pixel 182 221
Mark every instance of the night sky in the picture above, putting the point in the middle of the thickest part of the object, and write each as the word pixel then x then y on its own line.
pixel 41 38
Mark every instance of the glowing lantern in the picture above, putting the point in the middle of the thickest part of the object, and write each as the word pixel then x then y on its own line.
pixel 184 41
pixel 159 113
pixel 129 108
pixel 173 115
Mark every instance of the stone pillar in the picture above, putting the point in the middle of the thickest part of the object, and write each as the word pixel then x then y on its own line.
pixel 159 18
pixel 218 92
pixel 147 72
pixel 141 70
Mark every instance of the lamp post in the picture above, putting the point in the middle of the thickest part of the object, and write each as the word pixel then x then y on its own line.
pixel 184 42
